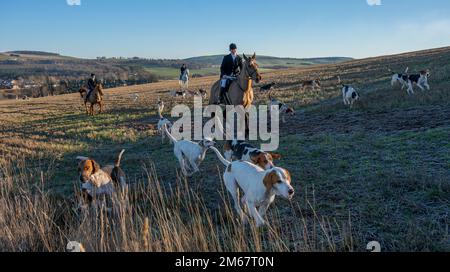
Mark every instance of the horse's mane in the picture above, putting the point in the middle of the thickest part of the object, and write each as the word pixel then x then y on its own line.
pixel 248 94
pixel 99 88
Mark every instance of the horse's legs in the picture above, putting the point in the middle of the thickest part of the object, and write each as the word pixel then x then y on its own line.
pixel 247 125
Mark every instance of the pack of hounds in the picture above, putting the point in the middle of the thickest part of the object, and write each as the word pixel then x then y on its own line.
pixel 246 168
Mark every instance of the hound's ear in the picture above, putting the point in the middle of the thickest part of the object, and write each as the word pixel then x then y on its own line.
pixel 270 180
pixel 95 167
pixel 256 158
pixel 275 156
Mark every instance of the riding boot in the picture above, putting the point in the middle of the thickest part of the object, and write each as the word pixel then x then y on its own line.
pixel 222 95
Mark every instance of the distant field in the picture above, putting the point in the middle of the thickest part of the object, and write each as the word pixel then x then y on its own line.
pixel 377 172
pixel 173 73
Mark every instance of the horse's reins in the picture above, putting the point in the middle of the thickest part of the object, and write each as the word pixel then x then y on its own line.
pixel 250 80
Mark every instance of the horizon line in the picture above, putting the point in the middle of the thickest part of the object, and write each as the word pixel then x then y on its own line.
pixel 212 55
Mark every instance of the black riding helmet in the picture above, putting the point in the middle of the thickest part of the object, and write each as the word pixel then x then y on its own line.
pixel 233 46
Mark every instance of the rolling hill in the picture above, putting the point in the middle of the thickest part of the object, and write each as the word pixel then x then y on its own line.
pixel 25 64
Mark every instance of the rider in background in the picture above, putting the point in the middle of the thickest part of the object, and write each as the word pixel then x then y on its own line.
pixel 183 70
pixel 231 67
pixel 91 84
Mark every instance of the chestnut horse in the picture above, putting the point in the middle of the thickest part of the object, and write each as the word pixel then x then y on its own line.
pixel 240 92
pixel 95 98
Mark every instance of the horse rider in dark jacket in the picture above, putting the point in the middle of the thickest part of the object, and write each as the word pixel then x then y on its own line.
pixel 231 67
pixel 91 85
pixel 183 70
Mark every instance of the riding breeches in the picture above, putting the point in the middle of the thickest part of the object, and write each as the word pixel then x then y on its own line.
pixel 223 83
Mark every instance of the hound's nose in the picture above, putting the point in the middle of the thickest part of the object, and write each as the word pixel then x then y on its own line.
pixel 291 192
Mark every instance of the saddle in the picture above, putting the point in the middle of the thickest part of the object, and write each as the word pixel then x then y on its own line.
pixel 225 91
pixel 88 94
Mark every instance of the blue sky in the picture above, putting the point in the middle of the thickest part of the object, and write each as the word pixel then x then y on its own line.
pixel 185 28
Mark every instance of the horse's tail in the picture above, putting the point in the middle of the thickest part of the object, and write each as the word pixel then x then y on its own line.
pixel 214 93
pixel 81 91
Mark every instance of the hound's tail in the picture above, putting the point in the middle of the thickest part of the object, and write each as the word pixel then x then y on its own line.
pixel 172 139
pixel 160 109
pixel 221 158
pixel 119 158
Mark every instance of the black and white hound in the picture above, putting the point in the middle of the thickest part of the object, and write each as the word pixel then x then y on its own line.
pixel 350 95
pixel 419 80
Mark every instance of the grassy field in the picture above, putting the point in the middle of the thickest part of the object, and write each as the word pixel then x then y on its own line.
pixel 379 171
pixel 173 73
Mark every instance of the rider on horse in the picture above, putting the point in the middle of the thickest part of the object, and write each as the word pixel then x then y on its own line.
pixel 183 70
pixel 91 85
pixel 231 68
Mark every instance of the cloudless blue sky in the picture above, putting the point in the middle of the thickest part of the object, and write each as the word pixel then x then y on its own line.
pixel 186 28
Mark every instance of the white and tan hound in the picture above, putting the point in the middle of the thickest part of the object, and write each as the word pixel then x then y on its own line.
pixel 162 121
pixel 96 181
pixel 242 151
pixel 260 186
pixel 311 84
pixel 189 154
pixel 284 109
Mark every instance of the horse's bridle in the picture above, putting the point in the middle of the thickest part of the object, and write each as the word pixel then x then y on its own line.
pixel 251 76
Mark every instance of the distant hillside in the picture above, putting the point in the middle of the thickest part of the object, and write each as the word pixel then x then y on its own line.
pixel 37 53
pixel 38 66
pixel 272 62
